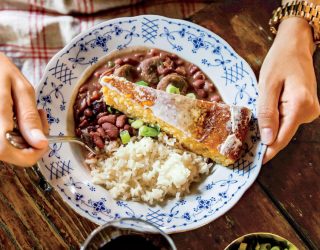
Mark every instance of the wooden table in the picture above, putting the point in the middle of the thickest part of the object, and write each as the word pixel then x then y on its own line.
pixel 284 200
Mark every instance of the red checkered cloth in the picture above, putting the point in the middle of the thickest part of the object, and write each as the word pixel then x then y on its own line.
pixel 32 31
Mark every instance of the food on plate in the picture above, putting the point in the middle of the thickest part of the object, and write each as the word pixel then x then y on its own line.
pixel 149 170
pixel 148 67
pixel 211 129
pixel 154 146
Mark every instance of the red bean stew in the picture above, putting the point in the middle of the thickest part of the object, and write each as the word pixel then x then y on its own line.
pixel 151 67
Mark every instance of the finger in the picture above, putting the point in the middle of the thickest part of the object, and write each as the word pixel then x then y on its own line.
pixel 288 128
pixel 27 114
pixel 8 153
pixel 44 121
pixel 268 114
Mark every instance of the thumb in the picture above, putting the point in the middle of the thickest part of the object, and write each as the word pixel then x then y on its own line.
pixel 29 120
pixel 268 113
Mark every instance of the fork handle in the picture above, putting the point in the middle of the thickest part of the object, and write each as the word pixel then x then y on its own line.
pixel 67 138
pixel 16 139
pixel 61 138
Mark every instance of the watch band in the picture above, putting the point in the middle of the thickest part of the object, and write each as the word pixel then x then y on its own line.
pixel 304 9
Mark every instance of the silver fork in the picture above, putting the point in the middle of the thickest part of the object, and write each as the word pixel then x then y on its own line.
pixel 17 140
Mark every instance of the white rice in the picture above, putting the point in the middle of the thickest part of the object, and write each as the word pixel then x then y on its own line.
pixel 148 170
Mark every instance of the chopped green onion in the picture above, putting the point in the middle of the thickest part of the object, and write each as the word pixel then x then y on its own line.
pixel 137 124
pixel 125 136
pixel 131 120
pixel 191 95
pixel 148 131
pixel 156 126
pixel 110 64
pixel 172 89
pixel 142 83
pixel 110 110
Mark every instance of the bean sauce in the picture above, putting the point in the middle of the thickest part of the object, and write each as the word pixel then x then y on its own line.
pixel 155 67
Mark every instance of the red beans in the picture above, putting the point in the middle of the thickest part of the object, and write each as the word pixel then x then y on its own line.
pixel 164 71
pixel 82 118
pixel 108 118
pixel 97 74
pixel 83 124
pixel 88 112
pixel 90 128
pixel 97 86
pixel 179 62
pixel 101 114
pixel 164 55
pixel 126 127
pixel 131 61
pixel 138 56
pixel 119 61
pixel 202 93
pixel 78 132
pixel 199 75
pixel 215 98
pixel 210 87
pixel 173 56
pixel 181 70
pixel 101 132
pixel 193 69
pixel 129 129
pixel 95 96
pixel 98 141
pixel 83 89
pixel 111 130
pixel 198 84
pixel 154 52
pixel 83 105
pixel 121 121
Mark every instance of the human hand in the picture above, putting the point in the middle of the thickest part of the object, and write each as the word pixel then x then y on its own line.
pixel 287 86
pixel 17 96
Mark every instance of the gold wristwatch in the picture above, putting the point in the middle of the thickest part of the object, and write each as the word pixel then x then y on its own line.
pixel 303 9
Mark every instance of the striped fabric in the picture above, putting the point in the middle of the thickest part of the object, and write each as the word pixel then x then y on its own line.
pixel 32 31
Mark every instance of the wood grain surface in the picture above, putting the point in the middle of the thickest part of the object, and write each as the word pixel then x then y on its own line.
pixel 284 200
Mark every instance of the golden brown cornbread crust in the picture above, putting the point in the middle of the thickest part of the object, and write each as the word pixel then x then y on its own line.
pixel 210 129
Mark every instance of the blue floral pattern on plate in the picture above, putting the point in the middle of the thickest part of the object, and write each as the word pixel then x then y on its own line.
pixel 233 77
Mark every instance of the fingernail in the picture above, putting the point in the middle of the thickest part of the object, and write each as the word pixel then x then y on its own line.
pixel 266 135
pixel 37 135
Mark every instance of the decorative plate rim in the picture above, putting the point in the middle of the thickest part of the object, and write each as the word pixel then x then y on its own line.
pixel 249 182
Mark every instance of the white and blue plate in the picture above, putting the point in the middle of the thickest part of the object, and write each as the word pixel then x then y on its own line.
pixel 236 82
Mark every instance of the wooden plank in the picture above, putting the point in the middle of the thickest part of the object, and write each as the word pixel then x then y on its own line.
pixel 253 213
pixel 243 24
pixel 7 240
pixel 292 179
pixel 13 193
pixel 17 232
pixel 56 215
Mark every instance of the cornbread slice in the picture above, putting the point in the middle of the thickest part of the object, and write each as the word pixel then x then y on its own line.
pixel 209 129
